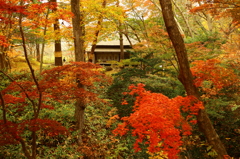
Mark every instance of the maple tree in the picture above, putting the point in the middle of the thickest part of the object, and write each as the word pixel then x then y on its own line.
pixel 157 121
pixel 220 16
pixel 8 18
pixel 223 8
pixel 57 84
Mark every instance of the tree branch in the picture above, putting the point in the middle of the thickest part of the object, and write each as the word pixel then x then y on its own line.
pixel 33 103
pixel 3 108
pixel 36 113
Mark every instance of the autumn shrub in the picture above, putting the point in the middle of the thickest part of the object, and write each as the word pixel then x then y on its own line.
pixel 155 79
pixel 157 121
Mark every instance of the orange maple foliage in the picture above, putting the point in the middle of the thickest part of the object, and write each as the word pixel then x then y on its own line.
pixel 157 120
pixel 7 18
pixel 219 8
pixel 212 71
pixel 37 18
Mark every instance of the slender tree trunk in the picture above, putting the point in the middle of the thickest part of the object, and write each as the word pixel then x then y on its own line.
pixel 184 19
pixel 200 24
pixel 126 34
pixel 134 33
pixel 208 18
pixel 43 44
pixel 37 107
pixel 58 51
pixel 121 44
pixel 78 32
pixel 130 42
pixel 98 29
pixel 38 52
pixel 120 29
pixel 186 78
pixel 4 110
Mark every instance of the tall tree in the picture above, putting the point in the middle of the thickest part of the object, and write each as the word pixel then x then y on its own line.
pixel 57 45
pixel 98 28
pixel 120 36
pixel 78 32
pixel 186 78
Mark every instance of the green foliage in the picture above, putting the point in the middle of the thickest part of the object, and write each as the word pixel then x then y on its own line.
pixel 210 40
pixel 31 36
pixel 4 81
pixel 11 151
pixel 228 131
pixel 209 37
pixel 226 122
pixel 204 46
pixel 48 147
pixel 169 86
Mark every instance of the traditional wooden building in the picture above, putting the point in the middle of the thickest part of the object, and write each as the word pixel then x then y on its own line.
pixel 106 51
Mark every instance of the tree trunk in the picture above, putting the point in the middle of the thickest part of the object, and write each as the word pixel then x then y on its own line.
pixel 130 42
pixel 120 29
pixel 3 61
pixel 121 44
pixel 185 76
pixel 57 46
pixel 79 116
pixel 78 32
pixel 43 44
pixel 38 52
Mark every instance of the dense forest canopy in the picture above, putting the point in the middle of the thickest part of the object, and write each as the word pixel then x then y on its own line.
pixel 174 94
